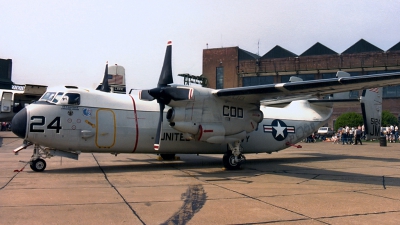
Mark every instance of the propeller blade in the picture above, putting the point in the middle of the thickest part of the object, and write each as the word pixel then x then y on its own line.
pixel 105 87
pixel 166 72
pixel 157 142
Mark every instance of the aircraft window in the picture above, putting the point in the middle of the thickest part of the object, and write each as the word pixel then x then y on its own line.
pixel 233 111
pixel 48 96
pixel 58 97
pixel 240 112
pixel 73 98
pixel 226 110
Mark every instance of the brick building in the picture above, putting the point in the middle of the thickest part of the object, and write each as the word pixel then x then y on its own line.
pixel 235 67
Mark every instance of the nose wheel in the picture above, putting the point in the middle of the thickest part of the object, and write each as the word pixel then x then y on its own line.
pixel 38 165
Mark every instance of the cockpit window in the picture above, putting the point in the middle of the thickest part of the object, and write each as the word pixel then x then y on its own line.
pixel 58 97
pixel 73 98
pixel 48 96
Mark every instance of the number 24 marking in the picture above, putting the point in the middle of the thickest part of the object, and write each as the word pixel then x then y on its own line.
pixel 41 120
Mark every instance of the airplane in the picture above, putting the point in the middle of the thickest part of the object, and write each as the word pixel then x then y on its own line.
pixel 175 119
pixel 19 96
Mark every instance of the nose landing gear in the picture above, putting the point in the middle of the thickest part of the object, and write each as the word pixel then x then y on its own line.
pixel 38 164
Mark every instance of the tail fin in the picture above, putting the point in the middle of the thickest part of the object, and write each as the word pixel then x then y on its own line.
pixel 371 107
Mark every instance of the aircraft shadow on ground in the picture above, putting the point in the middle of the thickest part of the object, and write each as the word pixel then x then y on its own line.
pixel 209 168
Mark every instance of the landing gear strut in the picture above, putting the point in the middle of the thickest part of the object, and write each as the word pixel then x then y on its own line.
pixel 233 157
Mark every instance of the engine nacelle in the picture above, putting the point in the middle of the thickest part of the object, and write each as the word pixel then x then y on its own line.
pixel 185 127
pixel 256 115
pixel 207 131
pixel 176 114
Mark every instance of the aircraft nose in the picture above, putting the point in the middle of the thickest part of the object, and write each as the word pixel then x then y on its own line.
pixel 18 123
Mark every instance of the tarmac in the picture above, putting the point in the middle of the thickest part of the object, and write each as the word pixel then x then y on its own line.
pixel 320 183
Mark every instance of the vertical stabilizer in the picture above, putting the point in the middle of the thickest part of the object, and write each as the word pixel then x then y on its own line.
pixel 371 106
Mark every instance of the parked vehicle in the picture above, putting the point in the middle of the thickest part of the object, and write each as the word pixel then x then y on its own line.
pixel 325 131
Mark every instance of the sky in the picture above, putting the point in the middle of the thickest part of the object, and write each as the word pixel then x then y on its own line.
pixel 68 42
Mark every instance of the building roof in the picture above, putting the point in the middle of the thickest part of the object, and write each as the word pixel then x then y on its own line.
pixel 278 52
pixel 318 49
pixel 362 46
pixel 395 47
pixel 245 55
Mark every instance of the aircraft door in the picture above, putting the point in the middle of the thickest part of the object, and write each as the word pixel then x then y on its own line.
pixel 6 101
pixel 105 129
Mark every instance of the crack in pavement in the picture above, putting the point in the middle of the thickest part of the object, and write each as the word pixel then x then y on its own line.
pixel 115 188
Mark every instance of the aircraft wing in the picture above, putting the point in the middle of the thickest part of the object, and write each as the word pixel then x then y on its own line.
pixel 318 88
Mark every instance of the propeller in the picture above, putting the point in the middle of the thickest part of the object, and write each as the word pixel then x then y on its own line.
pixel 159 92
pixel 105 87
pixel 165 93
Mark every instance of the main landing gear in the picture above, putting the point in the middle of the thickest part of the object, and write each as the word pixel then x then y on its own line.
pixel 233 157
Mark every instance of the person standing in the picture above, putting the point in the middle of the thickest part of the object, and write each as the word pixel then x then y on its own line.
pixel 351 135
pixel 358 133
pixel 363 132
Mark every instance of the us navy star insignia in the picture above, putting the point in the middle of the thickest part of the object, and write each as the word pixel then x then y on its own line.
pixel 279 129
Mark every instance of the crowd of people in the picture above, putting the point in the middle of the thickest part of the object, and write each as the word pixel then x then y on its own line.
pixel 352 135
pixel 5 126
pixel 391 133
pixel 349 135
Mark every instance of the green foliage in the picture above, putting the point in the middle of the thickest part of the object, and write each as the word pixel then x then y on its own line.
pixel 388 119
pixel 350 119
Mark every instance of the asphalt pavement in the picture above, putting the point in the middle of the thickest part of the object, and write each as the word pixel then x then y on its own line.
pixel 320 183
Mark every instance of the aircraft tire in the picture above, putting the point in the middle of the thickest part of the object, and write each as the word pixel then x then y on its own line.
pixel 168 156
pixel 229 161
pixel 38 165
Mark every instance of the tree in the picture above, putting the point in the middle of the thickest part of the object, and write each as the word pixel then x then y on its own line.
pixel 388 119
pixel 350 119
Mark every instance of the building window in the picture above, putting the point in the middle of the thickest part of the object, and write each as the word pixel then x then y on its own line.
pixel 328 75
pixel 252 81
pixel 220 78
pixel 353 94
pixel 390 92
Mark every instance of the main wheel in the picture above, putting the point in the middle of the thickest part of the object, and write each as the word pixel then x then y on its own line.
pixel 229 161
pixel 38 165
pixel 168 156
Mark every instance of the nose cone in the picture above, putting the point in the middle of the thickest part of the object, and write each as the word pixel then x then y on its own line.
pixel 18 123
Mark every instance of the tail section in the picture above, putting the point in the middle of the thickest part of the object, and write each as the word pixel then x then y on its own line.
pixel 371 107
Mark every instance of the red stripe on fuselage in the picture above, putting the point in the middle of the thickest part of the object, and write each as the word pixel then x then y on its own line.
pixel 136 121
